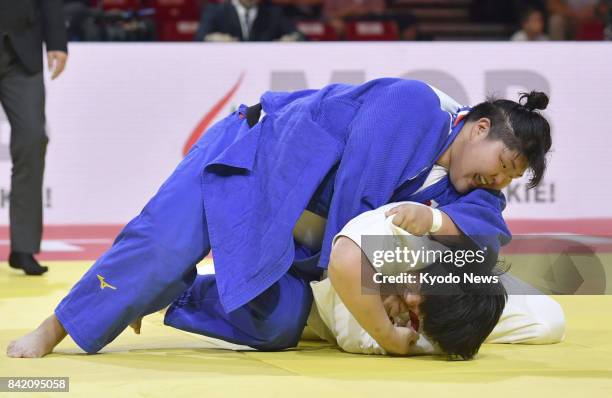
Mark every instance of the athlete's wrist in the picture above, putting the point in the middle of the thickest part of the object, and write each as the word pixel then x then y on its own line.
pixel 436 220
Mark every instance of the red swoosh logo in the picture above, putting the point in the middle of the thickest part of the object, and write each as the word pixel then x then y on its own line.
pixel 210 116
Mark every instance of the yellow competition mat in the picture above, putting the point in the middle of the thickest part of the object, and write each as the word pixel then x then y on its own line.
pixel 166 362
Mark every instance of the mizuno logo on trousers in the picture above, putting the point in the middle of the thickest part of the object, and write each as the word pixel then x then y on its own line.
pixel 104 284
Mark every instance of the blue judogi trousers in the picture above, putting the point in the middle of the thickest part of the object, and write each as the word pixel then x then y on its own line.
pixel 140 274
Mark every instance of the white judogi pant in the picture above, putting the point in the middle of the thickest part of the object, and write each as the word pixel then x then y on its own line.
pixel 526 319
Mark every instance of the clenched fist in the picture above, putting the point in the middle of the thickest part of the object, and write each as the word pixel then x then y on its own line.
pixel 401 340
pixel 413 218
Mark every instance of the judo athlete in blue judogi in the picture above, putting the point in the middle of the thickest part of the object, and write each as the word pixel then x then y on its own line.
pixel 335 153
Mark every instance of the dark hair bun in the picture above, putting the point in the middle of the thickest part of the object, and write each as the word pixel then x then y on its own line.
pixel 535 100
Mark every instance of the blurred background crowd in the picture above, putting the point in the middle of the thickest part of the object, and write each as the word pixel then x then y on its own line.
pixel 331 20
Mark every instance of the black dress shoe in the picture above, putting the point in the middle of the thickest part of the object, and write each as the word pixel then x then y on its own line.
pixel 27 263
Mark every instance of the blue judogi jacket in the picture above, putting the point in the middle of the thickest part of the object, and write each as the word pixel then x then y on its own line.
pixel 375 140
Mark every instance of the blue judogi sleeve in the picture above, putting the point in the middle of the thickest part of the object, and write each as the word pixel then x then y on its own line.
pixel 478 214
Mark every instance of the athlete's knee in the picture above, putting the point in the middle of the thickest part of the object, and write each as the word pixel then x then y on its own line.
pixel 279 334
pixel 280 341
pixel 281 314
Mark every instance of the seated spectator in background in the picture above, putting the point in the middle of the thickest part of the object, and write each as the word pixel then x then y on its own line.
pixel 532 26
pixel 301 9
pixel 337 12
pixel 245 20
pixel 567 15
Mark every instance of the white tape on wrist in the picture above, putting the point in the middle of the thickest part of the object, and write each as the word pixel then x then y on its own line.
pixel 437 220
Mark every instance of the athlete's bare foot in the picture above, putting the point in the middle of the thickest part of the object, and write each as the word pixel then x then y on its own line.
pixel 39 342
pixel 136 325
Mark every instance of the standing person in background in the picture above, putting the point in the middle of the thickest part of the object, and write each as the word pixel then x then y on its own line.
pixel 24 26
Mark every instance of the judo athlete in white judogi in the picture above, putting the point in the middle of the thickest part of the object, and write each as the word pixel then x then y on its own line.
pixel 526 318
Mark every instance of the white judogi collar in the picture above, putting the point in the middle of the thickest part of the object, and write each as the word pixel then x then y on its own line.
pixel 246 16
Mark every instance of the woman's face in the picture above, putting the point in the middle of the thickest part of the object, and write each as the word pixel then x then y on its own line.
pixel 534 25
pixel 479 162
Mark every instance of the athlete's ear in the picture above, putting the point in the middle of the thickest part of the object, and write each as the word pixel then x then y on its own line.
pixel 479 129
pixel 483 126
